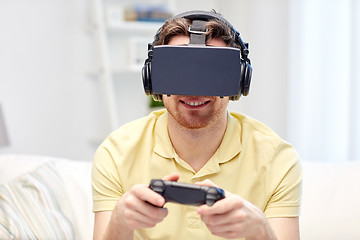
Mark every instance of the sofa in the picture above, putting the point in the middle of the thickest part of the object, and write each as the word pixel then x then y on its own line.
pixel 57 196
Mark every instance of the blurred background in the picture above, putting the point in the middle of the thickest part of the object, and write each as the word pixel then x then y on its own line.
pixel 70 71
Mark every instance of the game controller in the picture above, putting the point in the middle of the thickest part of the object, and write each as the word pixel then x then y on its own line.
pixel 184 193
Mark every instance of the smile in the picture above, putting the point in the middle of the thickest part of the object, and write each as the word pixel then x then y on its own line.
pixel 195 104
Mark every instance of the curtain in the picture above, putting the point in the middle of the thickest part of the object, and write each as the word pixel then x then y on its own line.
pixel 324 75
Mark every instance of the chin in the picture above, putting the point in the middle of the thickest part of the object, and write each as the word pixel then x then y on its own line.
pixel 197 124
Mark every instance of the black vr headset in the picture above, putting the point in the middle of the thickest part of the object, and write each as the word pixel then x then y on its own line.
pixel 197 69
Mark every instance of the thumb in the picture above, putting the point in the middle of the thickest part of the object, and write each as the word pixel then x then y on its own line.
pixel 206 182
pixel 171 177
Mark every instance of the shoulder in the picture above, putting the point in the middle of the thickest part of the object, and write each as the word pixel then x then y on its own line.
pixel 139 124
pixel 130 134
pixel 138 127
pixel 253 127
pixel 259 138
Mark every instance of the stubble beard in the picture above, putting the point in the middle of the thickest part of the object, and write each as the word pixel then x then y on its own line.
pixel 192 122
pixel 195 120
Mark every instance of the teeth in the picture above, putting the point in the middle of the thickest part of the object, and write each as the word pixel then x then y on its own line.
pixel 195 103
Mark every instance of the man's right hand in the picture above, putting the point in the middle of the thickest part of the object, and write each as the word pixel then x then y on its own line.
pixel 132 212
pixel 134 209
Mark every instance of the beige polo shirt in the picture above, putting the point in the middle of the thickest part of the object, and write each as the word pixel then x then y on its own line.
pixel 252 162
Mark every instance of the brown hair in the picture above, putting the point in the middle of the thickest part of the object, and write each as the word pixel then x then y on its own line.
pixel 180 26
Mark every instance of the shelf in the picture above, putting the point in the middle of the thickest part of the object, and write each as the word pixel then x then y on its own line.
pixel 121 42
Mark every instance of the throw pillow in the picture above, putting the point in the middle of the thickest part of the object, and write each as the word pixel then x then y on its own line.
pixel 35 206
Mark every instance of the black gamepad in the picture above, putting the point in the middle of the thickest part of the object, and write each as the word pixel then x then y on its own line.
pixel 184 193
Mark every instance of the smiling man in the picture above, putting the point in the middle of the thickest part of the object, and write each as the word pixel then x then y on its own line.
pixel 196 140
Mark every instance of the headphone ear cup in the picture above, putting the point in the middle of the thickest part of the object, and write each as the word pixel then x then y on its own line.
pixel 247 79
pixel 241 83
pixel 146 76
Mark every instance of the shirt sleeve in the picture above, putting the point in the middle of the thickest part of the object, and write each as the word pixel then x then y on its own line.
pixel 106 187
pixel 285 183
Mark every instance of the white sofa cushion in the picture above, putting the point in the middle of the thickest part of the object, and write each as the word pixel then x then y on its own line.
pixel 77 179
pixel 76 176
pixel 35 206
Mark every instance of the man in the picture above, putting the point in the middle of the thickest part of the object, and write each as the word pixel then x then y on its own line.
pixel 196 140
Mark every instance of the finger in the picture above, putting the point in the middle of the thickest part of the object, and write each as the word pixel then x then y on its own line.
pixel 222 206
pixel 228 234
pixel 171 177
pixel 150 214
pixel 150 211
pixel 144 193
pixel 225 221
pixel 140 224
pixel 206 182
pixel 225 225
pixel 229 230
pixel 155 213
pixel 226 228
pixel 137 211
pixel 137 219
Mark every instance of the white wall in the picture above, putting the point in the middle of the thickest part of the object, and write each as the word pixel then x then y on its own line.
pixel 47 99
pixel 53 107
pixel 264 24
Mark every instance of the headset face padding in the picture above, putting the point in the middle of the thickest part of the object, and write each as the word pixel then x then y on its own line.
pixel 245 65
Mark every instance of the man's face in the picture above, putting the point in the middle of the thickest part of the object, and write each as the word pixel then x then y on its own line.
pixel 195 112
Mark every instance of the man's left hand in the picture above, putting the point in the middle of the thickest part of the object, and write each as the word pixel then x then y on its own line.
pixel 234 217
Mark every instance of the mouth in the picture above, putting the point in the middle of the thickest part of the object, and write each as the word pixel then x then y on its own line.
pixel 194 104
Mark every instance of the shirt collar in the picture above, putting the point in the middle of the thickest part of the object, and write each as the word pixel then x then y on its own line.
pixel 228 149
pixel 163 145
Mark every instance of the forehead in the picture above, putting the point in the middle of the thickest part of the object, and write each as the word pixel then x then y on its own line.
pixel 182 40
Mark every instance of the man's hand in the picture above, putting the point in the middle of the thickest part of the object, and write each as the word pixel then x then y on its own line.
pixel 139 208
pixel 134 209
pixel 234 217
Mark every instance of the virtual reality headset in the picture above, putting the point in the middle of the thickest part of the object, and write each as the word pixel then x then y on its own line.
pixel 197 69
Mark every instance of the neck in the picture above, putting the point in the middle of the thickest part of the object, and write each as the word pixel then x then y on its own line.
pixel 197 146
